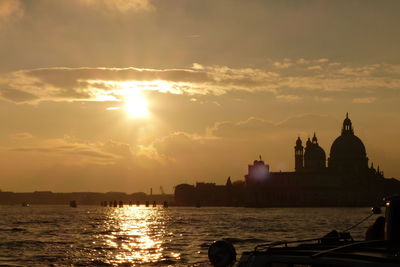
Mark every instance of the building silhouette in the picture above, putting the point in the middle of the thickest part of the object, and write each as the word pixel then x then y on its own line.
pixel 344 179
pixel 347 155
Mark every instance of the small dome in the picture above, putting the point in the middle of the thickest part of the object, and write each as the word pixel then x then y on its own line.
pixel 314 157
pixel 315 152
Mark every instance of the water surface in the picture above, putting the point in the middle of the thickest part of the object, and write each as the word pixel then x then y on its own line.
pixel 176 236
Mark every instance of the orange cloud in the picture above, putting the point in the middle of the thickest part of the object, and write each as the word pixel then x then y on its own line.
pixel 21 136
pixel 10 10
pixel 364 100
pixel 288 98
pixel 289 84
pixel 121 5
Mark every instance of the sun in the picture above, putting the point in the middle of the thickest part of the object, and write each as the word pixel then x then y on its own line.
pixel 136 106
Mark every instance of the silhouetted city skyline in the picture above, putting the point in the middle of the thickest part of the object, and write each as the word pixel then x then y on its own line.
pixel 346 179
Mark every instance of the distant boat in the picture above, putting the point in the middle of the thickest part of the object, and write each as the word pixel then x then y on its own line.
pixel 165 204
pixel 24 204
pixel 73 204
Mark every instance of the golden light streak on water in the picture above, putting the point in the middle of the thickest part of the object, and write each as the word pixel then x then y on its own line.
pixel 141 234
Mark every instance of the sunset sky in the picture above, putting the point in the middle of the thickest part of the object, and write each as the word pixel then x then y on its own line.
pixel 128 95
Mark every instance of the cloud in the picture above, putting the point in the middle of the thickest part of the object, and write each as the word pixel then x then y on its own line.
pixel 223 150
pixel 70 151
pixel 178 142
pixel 71 164
pixel 233 144
pixel 323 99
pixel 21 136
pixel 90 83
pixel 316 67
pixel 360 71
pixel 113 84
pixel 288 98
pixel 282 65
pixel 10 10
pixel 364 100
pixel 258 127
pixel 121 5
pixel 74 151
pixel 16 95
pixel 119 149
pixel 197 66
pixel 310 123
pixel 242 129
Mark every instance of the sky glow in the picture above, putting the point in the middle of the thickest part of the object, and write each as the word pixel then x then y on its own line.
pixel 129 95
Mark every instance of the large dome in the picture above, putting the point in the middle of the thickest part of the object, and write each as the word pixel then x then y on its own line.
pixel 347 146
pixel 348 151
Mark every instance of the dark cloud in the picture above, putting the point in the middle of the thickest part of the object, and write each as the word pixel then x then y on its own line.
pixel 73 150
pixel 312 122
pixel 16 95
pixel 243 129
pixel 70 77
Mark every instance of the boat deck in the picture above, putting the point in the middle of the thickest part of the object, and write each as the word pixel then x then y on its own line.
pixel 349 253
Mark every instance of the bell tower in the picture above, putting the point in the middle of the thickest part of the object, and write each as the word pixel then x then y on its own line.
pixel 298 155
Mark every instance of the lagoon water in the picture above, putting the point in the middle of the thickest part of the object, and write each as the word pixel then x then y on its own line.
pixel 176 236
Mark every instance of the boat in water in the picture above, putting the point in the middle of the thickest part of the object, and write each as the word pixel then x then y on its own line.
pixel 73 204
pixel 381 248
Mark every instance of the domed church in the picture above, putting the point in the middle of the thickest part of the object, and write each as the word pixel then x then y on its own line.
pixel 347 153
pixel 343 180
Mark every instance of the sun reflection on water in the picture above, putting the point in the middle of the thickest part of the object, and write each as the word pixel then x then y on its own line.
pixel 137 235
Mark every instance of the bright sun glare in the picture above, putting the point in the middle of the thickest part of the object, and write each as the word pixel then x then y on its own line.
pixel 136 105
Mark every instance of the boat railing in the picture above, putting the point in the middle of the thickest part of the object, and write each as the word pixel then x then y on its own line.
pixel 346 246
pixel 285 243
pixel 330 238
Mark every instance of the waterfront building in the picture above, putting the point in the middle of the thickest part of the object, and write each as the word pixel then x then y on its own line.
pixel 344 179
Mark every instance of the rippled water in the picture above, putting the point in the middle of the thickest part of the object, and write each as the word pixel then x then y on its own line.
pixel 89 235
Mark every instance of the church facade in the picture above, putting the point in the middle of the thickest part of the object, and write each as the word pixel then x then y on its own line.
pixel 344 178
